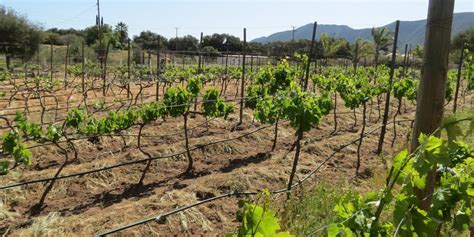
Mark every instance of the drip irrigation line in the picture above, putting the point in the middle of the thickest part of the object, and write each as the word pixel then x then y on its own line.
pixel 247 193
pixel 196 147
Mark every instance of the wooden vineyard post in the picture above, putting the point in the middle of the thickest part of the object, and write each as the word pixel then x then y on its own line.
pixel 149 59
pixel 226 62
pixel 51 62
pixel 458 79
pixel 158 71
pixel 65 64
pixel 251 63
pixel 409 63
pixel 310 56
pixel 242 85
pixel 356 59
pixel 200 55
pixel 38 60
pixel 128 70
pixel 83 70
pixel 104 73
pixel 387 98
pixel 24 63
pixel 405 60
pixel 183 58
pixel 430 99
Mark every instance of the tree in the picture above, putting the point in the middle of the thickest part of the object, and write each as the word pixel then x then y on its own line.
pixel 209 50
pixel 382 39
pixel 465 36
pixel 256 48
pixel 52 38
pixel 121 29
pixel 91 36
pixel 216 41
pixel 186 43
pixel 149 40
pixel 223 42
pixel 418 51
pixel 332 47
pixel 365 49
pixel 69 31
pixel 18 37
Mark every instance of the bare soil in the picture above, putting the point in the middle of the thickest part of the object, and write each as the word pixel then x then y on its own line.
pixel 86 205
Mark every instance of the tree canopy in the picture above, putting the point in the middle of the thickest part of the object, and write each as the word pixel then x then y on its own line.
pixel 465 36
pixel 18 37
pixel 149 40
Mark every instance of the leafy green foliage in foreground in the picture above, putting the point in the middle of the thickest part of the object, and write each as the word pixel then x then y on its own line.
pixel 258 220
pixel 451 201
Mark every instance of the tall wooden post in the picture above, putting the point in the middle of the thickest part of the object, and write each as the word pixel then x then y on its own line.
pixel 251 63
pixel 200 55
pixel 65 64
pixel 51 62
pixel 405 60
pixel 226 62
pixel 356 59
pixel 242 85
pixel 128 69
pixel 183 58
pixel 158 68
pixel 430 99
pixel 38 59
pixel 83 72
pixel 310 56
pixel 458 79
pixel 387 98
pixel 104 73
pixel 149 59
pixel 24 63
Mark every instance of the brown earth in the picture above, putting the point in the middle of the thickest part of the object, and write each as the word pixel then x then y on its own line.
pixel 86 205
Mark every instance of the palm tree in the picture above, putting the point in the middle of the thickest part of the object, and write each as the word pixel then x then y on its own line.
pixel 382 39
pixel 331 46
pixel 418 52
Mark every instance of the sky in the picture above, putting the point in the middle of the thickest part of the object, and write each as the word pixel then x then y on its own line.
pixel 260 17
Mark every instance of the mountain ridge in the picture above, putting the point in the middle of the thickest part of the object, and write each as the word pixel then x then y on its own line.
pixel 411 32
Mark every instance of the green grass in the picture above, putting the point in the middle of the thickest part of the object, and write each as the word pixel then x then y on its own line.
pixel 311 212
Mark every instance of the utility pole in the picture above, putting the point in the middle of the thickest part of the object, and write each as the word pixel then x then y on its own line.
pixel 176 43
pixel 293 33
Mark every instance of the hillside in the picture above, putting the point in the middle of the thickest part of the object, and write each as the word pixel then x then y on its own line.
pixel 411 32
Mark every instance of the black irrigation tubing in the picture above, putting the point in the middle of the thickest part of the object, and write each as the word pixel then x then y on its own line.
pixel 197 147
pixel 247 193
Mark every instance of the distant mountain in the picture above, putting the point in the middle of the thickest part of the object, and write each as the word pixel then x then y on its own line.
pixel 411 32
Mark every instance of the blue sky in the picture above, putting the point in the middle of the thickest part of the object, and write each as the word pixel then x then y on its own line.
pixel 260 17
